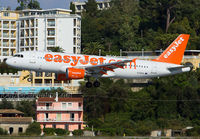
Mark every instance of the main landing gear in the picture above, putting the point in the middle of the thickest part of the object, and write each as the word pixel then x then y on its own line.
pixel 89 84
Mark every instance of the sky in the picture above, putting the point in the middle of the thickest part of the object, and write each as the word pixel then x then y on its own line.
pixel 44 4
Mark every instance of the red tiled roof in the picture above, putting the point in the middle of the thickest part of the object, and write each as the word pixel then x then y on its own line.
pixel 60 99
pixel 9 111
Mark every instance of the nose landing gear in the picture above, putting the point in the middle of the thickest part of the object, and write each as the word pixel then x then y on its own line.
pixel 89 84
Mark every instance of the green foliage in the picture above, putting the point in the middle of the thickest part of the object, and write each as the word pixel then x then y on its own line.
pixel 167 103
pixel 78 132
pixel 53 131
pixel 30 4
pixel 49 131
pixel 4 68
pixel 56 49
pixel 27 107
pixel 72 7
pixel 193 132
pixel 3 132
pixel 52 92
pixel 4 104
pixel 61 132
pixel 33 129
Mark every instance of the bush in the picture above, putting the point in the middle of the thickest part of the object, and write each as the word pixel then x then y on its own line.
pixel 193 132
pixel 77 132
pixel 33 129
pixel 60 131
pixel 49 131
pixel 108 132
pixel 3 132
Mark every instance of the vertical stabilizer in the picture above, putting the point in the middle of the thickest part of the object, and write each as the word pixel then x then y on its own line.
pixel 174 53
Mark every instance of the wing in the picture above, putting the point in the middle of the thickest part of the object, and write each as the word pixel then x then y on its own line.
pixel 103 68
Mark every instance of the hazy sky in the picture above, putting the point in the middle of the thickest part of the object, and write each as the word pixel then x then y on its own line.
pixel 44 4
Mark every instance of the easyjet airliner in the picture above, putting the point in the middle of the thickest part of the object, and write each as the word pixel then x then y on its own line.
pixel 71 66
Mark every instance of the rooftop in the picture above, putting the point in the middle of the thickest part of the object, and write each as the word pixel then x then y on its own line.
pixel 16 120
pixel 10 111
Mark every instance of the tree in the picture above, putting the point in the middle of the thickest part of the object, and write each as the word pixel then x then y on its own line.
pixel 72 7
pixel 56 49
pixel 91 8
pixel 27 107
pixel 34 4
pixel 31 4
pixel 6 104
pixel 33 129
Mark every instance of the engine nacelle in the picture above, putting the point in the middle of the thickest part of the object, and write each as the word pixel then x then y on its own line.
pixel 71 73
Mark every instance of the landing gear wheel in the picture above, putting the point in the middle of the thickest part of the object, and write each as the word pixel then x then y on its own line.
pixel 96 84
pixel 88 84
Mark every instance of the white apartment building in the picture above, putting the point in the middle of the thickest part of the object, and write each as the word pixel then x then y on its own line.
pixel 80 6
pixel 39 30
pixel 43 29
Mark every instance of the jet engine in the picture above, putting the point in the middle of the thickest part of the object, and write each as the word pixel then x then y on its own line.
pixel 71 73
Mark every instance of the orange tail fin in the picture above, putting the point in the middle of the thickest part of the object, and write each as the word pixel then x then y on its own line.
pixel 174 53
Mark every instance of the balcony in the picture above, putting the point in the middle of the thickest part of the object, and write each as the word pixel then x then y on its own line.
pixel 5 35
pixel 51 108
pixel 13 26
pixel 74 120
pixel 51 23
pixel 5 26
pixel 5 45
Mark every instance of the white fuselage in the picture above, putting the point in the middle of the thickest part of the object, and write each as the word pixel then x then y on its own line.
pixel 36 61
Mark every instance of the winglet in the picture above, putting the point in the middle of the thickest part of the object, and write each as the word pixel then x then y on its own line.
pixel 174 53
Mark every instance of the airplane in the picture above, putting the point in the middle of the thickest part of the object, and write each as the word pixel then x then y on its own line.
pixel 78 66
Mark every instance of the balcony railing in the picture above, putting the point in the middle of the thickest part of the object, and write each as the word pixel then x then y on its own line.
pixel 5 26
pixel 5 45
pixel 6 35
pixel 60 120
pixel 51 108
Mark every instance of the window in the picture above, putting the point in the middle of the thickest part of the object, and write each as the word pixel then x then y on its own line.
pixel 51 22
pixel 51 42
pixel 44 125
pixel 6 14
pixel 47 116
pixel 11 130
pixel 69 104
pixel 79 126
pixel 71 116
pixel 20 130
pixel 64 106
pixel 54 125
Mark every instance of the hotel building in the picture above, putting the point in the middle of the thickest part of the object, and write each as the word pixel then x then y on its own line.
pixel 57 112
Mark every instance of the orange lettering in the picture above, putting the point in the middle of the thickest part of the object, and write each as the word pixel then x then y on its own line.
pixel 101 59
pixel 48 57
pixel 75 59
pixel 111 60
pixel 94 61
pixel 86 60
pixel 66 59
pixel 58 58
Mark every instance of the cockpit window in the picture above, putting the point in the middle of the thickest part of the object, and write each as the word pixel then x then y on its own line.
pixel 18 55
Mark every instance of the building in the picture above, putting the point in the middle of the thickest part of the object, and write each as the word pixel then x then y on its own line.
pixel 13 121
pixel 80 6
pixel 57 112
pixel 40 30
pixel 8 33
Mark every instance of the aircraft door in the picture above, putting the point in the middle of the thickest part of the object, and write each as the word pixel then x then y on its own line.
pixel 32 59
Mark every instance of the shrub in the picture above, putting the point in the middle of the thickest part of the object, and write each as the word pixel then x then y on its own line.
pixel 108 131
pixel 49 131
pixel 3 132
pixel 60 131
pixel 78 132
pixel 33 129
pixel 193 132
